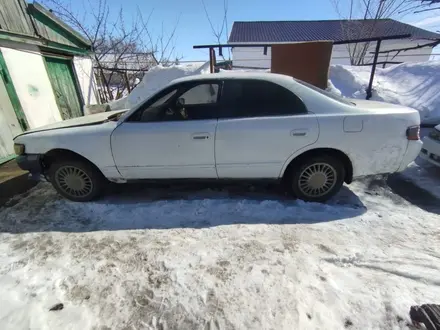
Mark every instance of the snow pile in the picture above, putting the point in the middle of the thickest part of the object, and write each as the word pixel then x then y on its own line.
pixel 416 85
pixel 216 260
pixel 157 78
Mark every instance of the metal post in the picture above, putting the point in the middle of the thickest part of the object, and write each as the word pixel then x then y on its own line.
pixel 373 70
pixel 211 60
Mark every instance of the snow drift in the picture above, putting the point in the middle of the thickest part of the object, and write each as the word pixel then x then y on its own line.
pixel 157 78
pixel 416 85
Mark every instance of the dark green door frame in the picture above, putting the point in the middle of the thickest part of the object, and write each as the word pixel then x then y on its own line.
pixel 65 85
pixel 21 117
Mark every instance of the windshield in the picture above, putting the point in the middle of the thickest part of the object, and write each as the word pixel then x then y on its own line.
pixel 164 99
pixel 326 93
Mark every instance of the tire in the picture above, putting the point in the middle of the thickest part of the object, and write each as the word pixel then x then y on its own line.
pixel 76 180
pixel 316 179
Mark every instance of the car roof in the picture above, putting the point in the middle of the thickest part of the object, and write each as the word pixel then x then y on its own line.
pixel 274 77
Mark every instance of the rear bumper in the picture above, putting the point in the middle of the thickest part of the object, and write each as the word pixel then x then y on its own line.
pixel 431 151
pixel 412 151
pixel 31 163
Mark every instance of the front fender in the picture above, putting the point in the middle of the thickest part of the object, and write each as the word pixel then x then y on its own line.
pixel 91 142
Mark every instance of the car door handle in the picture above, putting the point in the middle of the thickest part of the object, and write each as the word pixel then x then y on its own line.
pixel 299 132
pixel 200 136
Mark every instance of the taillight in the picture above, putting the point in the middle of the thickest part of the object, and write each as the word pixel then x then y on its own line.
pixel 413 133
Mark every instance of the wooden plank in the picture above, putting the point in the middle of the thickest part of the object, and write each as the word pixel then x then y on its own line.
pixel 53 29
pixel 308 61
pixel 49 30
pixel 61 25
pixel 14 17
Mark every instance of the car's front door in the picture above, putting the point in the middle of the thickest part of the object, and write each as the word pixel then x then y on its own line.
pixel 261 125
pixel 171 136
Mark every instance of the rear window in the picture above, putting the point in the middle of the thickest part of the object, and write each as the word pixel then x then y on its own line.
pixel 326 93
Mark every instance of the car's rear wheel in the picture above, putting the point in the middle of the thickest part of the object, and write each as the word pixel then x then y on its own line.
pixel 317 179
pixel 76 180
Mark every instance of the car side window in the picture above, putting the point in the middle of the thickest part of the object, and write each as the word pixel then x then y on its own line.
pixel 258 98
pixel 201 94
pixel 189 101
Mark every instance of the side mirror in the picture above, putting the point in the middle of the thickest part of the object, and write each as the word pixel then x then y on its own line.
pixel 180 103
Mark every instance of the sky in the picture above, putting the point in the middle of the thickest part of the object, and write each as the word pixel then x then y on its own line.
pixel 193 27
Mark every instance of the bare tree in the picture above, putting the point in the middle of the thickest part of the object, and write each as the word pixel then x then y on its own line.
pixel 356 25
pixel 220 32
pixel 420 6
pixel 121 52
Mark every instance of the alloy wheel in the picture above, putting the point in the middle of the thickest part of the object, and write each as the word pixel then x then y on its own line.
pixel 74 181
pixel 317 179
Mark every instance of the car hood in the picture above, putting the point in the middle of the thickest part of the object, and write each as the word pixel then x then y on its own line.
pixel 75 122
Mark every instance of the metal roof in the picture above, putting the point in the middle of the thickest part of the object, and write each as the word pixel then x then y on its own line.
pixel 332 30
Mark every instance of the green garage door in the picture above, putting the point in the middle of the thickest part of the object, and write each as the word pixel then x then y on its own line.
pixel 64 85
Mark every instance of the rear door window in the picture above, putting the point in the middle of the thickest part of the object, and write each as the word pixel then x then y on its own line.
pixel 258 98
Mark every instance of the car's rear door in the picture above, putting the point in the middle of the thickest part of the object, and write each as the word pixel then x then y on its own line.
pixel 261 124
pixel 162 142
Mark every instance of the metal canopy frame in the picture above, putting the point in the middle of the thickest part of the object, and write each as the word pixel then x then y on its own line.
pixel 378 41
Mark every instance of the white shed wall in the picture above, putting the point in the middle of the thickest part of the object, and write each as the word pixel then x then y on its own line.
pixel 254 56
pixel 340 54
pixel 28 73
pixel 84 72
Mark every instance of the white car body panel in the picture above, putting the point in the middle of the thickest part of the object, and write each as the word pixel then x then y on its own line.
pixel 432 148
pixel 258 147
pixel 180 149
pixel 78 121
pixel 371 134
pixel 90 141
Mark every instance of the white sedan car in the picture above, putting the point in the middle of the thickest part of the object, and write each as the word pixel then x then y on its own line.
pixel 227 126
pixel 431 147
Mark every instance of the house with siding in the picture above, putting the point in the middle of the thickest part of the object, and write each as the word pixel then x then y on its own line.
pixel 343 33
pixel 46 72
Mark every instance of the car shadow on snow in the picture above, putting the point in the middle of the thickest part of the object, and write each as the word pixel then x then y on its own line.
pixel 159 206
pixel 414 194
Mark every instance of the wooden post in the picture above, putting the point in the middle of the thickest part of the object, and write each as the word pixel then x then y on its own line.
pixel 373 70
pixel 127 81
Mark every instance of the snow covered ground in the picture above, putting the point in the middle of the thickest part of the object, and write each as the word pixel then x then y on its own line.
pixel 198 258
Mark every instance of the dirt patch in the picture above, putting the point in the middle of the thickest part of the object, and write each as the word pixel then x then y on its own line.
pixel 13 181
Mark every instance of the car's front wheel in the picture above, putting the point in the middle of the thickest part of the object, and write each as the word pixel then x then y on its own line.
pixel 317 179
pixel 76 180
